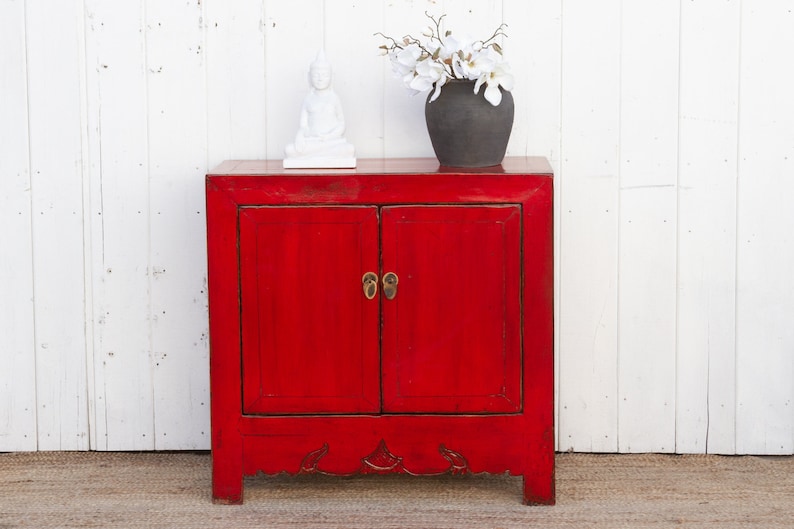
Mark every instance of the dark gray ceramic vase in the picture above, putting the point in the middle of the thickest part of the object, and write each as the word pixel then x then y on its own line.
pixel 465 129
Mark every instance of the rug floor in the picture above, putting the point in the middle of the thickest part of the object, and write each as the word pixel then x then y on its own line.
pixel 98 489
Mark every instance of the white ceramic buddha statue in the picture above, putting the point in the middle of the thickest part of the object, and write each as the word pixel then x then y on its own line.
pixel 320 141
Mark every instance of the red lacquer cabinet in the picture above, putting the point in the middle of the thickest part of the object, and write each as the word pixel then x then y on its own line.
pixel 396 317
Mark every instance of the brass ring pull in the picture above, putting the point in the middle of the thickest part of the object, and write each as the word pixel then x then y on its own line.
pixel 370 281
pixel 390 281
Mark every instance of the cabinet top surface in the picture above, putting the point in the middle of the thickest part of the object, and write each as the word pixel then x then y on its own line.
pixel 535 165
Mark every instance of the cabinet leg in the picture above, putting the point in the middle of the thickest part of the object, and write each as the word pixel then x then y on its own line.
pixel 227 481
pixel 538 491
pixel 227 493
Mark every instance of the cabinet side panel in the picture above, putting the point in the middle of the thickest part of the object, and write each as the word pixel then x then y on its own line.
pixel 538 345
pixel 224 326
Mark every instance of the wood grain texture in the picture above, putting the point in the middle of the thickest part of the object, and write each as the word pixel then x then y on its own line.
pixel 123 416
pixel 17 354
pixel 234 51
pixel 175 56
pixel 54 58
pixel 588 227
pixel 707 172
pixel 764 334
pixel 647 227
pixel 349 44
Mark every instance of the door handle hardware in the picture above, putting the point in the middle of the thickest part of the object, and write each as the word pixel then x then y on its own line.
pixel 390 281
pixel 370 281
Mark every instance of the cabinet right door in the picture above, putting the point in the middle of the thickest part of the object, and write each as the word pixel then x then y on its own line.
pixel 451 336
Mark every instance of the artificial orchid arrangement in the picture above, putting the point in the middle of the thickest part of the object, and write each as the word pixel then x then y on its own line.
pixel 441 57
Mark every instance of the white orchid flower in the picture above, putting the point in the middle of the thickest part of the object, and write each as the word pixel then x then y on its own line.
pixel 429 73
pixel 442 57
pixel 475 64
pixel 499 76
pixel 471 60
pixel 409 55
pixel 448 48
pixel 404 60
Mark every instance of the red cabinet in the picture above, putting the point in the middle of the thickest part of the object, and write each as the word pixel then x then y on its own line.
pixel 392 318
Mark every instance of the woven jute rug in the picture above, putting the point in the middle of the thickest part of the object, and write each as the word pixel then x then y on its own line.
pixel 132 490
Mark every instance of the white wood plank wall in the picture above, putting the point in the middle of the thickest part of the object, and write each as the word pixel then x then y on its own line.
pixel 670 126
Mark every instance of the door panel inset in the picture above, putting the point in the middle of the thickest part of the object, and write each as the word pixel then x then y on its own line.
pixel 310 334
pixel 451 334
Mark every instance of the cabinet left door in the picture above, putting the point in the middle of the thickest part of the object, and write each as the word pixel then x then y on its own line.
pixel 310 341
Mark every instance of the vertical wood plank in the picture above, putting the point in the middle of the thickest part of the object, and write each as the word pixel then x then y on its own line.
pixel 235 54
pixel 706 364
pixel 647 262
pixel 119 214
pixel 765 245
pixel 56 150
pixel 176 81
pixel 353 52
pixel 17 353
pixel 588 183
pixel 533 50
pixel 293 37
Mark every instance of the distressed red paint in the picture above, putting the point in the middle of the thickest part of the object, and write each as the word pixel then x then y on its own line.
pixel 445 366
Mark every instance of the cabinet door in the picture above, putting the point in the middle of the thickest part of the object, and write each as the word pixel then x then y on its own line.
pixel 310 335
pixel 451 334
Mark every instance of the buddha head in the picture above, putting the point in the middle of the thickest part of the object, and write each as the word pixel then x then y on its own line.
pixel 320 72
